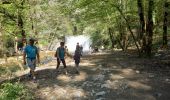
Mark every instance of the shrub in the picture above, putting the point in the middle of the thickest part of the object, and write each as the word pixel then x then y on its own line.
pixel 14 91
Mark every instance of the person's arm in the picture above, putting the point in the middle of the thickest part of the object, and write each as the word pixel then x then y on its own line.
pixel 38 56
pixel 24 56
pixel 58 53
pixel 65 52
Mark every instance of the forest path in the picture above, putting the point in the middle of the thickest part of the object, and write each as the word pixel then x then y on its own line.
pixel 103 76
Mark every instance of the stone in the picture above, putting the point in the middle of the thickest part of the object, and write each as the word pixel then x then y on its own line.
pixel 98 77
pixel 167 80
pixel 100 93
pixel 151 75
pixel 114 67
pixel 137 72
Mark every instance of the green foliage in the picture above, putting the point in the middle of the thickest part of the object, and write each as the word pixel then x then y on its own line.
pixel 53 19
pixel 95 37
pixel 14 91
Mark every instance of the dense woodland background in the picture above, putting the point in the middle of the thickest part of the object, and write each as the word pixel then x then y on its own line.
pixel 140 24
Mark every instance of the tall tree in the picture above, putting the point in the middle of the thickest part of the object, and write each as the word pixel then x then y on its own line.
pixel 20 20
pixel 165 23
pixel 142 24
pixel 149 28
pixel 110 31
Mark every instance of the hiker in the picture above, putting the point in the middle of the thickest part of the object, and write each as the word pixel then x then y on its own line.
pixel 60 54
pixel 30 56
pixel 81 50
pixel 77 46
pixel 77 55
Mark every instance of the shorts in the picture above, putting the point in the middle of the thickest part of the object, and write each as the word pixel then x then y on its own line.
pixel 31 63
pixel 61 60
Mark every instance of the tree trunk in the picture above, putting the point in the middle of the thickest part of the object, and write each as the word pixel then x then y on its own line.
pixel 111 37
pixel 141 16
pixel 142 34
pixel 129 28
pixel 21 23
pixel 149 28
pixel 165 41
pixel 75 30
pixel 122 38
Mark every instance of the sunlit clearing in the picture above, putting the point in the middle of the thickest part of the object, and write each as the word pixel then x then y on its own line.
pixel 71 42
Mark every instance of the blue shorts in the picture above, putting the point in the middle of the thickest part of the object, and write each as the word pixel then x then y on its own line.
pixel 31 63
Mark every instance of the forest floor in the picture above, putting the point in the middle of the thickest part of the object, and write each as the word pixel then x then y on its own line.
pixel 103 76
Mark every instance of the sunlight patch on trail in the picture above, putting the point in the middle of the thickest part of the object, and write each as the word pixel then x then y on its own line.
pixel 80 77
pixel 87 64
pixel 128 72
pixel 64 78
pixel 138 85
pixel 116 77
pixel 61 93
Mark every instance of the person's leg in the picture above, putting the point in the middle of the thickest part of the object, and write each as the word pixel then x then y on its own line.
pixel 77 66
pixel 32 66
pixel 58 63
pixel 65 66
pixel 33 73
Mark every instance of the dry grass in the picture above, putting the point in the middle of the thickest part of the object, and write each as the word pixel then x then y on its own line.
pixel 15 64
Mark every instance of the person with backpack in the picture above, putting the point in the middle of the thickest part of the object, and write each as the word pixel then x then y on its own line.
pixel 60 55
pixel 77 56
pixel 77 46
pixel 31 56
